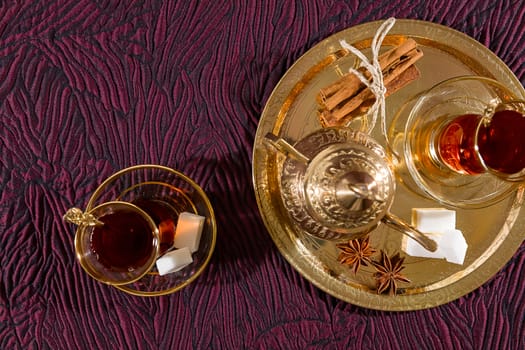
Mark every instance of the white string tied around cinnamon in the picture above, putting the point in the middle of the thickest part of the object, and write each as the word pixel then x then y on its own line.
pixel 376 85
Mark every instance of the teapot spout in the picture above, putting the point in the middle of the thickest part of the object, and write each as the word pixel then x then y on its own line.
pixel 395 222
pixel 282 146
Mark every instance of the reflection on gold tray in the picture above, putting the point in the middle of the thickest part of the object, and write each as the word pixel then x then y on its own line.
pixel 493 234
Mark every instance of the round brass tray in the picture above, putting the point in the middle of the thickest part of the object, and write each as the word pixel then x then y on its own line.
pixel 493 234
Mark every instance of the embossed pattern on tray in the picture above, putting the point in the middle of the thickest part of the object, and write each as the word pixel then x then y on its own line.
pixel 493 234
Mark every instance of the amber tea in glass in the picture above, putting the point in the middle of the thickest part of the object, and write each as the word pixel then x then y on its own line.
pixel 116 242
pixel 462 142
pixel 472 143
pixel 124 240
pixel 165 217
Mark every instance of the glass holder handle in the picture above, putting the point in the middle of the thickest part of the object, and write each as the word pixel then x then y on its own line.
pixel 78 217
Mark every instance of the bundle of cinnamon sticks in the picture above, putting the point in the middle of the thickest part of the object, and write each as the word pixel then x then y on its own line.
pixel 349 97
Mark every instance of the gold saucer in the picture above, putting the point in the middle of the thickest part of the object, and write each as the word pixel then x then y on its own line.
pixel 493 234
pixel 183 194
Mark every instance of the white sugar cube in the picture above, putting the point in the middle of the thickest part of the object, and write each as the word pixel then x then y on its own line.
pixel 440 225
pixel 188 232
pixel 452 247
pixel 174 261
pixel 433 219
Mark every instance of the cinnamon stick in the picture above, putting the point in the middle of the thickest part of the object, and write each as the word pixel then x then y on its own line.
pixel 348 93
pixel 365 99
pixel 331 95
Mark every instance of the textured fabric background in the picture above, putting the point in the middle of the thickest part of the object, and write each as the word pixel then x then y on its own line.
pixel 89 87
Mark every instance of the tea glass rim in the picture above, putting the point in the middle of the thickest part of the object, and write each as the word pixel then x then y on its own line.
pixel 155 242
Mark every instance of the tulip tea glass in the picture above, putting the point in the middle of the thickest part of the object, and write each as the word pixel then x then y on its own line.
pixel 116 242
pixel 130 220
pixel 463 142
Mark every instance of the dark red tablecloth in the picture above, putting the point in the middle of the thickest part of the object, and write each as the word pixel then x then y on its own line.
pixel 89 87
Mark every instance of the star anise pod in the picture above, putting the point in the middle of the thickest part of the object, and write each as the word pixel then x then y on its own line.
pixel 389 273
pixel 355 253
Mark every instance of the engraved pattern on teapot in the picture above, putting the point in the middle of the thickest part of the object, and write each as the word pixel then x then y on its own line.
pixel 323 191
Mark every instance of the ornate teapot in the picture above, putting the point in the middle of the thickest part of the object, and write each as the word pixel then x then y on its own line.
pixel 336 184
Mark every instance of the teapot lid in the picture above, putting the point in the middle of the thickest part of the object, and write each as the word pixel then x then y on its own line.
pixel 346 187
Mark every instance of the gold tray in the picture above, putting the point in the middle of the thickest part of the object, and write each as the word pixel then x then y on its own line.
pixel 493 234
